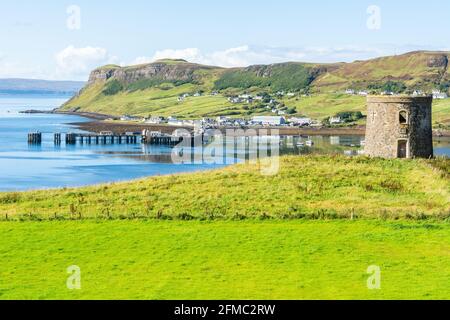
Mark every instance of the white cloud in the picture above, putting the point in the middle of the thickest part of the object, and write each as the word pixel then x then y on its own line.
pixel 189 54
pixel 233 57
pixel 246 55
pixel 78 62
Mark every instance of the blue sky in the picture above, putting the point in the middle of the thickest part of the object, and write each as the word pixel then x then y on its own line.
pixel 43 39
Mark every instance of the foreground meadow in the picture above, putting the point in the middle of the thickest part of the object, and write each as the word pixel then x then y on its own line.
pixel 224 259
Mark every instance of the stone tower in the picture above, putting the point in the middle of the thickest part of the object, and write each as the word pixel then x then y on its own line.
pixel 399 127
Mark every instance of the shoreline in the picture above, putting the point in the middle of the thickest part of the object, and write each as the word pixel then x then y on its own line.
pixel 121 127
pixel 99 124
pixel 117 127
pixel 88 115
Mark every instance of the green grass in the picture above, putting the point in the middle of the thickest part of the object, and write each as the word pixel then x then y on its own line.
pixel 320 106
pixel 309 232
pixel 153 101
pixel 224 260
pixel 278 77
pixel 315 187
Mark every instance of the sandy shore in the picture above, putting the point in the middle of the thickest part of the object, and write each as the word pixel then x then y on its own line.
pixel 89 115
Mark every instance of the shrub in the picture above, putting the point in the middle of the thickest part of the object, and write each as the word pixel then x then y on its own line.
pixel 10 198
pixel 113 87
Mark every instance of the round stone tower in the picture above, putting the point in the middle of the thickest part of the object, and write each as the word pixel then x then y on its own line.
pixel 399 127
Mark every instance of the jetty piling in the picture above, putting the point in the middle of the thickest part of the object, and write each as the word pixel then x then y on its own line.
pixel 128 138
pixel 57 138
pixel 35 138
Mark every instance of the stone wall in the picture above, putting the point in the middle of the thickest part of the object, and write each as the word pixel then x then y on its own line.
pixel 384 130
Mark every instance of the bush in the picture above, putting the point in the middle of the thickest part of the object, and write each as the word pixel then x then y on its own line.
pixel 389 86
pixel 113 87
pixel 10 198
pixel 283 77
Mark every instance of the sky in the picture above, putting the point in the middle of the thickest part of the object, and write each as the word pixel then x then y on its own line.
pixel 65 40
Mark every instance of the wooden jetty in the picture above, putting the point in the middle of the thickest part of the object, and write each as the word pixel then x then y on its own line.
pixel 153 138
pixel 82 138
pixel 35 138
pixel 162 140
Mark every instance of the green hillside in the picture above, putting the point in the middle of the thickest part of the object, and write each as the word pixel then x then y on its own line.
pixel 415 70
pixel 154 89
pixel 310 187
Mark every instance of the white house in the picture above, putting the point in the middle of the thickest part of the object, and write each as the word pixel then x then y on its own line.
pixel 350 91
pixel 154 120
pixel 335 120
pixel 271 121
pixel 235 100
pixel 174 122
pixel 125 118
pixel 437 94
pixel 222 120
pixel 300 121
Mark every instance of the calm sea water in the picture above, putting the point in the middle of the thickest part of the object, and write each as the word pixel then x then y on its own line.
pixel 24 167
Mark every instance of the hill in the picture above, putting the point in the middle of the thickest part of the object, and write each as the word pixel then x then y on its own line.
pixel 155 88
pixel 306 187
pixel 39 86
pixel 421 70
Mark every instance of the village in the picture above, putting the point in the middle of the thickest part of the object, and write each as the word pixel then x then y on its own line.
pixel 270 111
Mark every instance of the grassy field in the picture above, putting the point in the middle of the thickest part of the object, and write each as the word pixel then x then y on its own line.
pixel 315 187
pixel 309 232
pixel 224 260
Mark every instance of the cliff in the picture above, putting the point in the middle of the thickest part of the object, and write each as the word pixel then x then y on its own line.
pixel 165 70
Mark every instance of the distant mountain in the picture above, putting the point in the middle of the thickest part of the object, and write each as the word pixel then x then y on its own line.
pixel 39 86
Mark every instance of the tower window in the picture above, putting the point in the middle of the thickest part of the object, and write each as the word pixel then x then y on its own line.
pixel 403 117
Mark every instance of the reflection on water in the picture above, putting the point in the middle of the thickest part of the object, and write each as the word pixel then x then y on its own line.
pixel 237 149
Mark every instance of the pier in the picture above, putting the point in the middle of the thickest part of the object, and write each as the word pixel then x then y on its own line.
pixel 74 138
pixel 111 138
